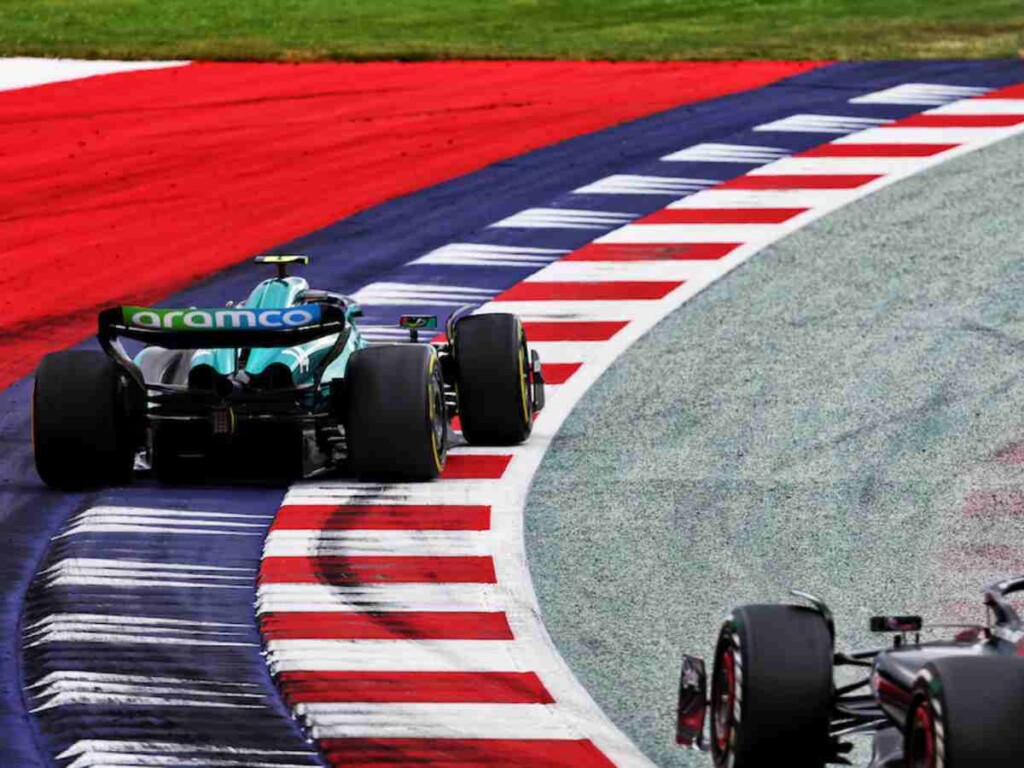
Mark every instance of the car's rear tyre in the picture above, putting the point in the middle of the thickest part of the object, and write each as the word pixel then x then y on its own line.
pixel 396 424
pixel 967 712
pixel 86 421
pixel 771 693
pixel 493 379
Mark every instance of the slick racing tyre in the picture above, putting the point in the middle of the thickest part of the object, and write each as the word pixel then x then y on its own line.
pixel 771 693
pixel 493 379
pixel 966 712
pixel 396 424
pixel 87 421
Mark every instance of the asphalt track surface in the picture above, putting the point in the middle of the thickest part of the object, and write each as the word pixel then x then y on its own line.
pixel 842 414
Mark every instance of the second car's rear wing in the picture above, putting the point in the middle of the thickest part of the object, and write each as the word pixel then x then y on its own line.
pixel 221 328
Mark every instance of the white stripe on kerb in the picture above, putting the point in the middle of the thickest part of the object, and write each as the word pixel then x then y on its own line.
pixel 629 184
pixel 820 124
pixel 981 107
pixel 696 233
pixel 564 218
pixel 411 542
pixel 481 255
pixel 766 198
pixel 396 656
pixel 841 165
pixel 571 311
pixel 919 94
pixel 438 721
pixel 726 153
pixel 619 271
pixel 377 597
pixel 975 136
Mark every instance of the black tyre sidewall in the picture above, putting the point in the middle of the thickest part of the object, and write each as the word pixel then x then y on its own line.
pixel 978 704
pixel 86 420
pixel 388 430
pixel 490 355
pixel 783 656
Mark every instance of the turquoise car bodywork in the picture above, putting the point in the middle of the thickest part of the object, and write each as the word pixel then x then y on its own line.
pixel 302 360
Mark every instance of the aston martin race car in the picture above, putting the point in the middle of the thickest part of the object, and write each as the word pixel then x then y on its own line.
pixel 279 385
pixel 781 694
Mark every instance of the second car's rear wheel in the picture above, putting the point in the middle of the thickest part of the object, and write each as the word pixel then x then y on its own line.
pixel 966 712
pixel 396 424
pixel 493 380
pixel 771 692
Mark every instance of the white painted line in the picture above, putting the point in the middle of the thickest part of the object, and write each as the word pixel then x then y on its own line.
pixel 26 72
pixel 842 165
pixel 628 184
pixel 919 94
pixel 396 656
pixel 617 271
pixel 313 492
pixel 378 597
pixel 805 123
pixel 569 351
pixel 564 218
pixel 767 198
pixel 424 543
pixel 697 233
pixel 579 311
pixel 981 107
pixel 481 255
pixel 439 721
pixel 136 700
pixel 726 153
pixel 975 136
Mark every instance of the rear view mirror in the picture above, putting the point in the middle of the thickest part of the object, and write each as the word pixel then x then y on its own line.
pixel 693 703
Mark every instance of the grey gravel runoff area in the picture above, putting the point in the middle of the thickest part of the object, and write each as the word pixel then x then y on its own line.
pixel 843 414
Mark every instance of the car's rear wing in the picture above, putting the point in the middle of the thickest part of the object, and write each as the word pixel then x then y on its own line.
pixel 221 328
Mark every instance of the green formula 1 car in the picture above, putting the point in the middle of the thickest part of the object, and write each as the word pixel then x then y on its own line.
pixel 281 385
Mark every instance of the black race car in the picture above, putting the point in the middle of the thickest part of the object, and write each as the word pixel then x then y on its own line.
pixel 782 695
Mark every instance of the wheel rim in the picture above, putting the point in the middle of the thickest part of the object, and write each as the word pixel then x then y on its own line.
pixel 524 381
pixel 724 701
pixel 436 416
pixel 921 749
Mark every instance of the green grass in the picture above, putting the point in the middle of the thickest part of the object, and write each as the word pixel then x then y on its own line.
pixel 301 30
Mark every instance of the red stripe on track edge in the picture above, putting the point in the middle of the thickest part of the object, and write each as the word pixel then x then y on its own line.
pixel 722 216
pixel 801 181
pixel 414 687
pixel 464 753
pixel 469 466
pixel 624 290
pixel 387 625
pixel 347 570
pixel 959 121
pixel 559 373
pixel 383 517
pixel 652 252
pixel 877 150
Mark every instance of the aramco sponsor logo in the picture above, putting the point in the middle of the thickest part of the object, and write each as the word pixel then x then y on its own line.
pixel 215 319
